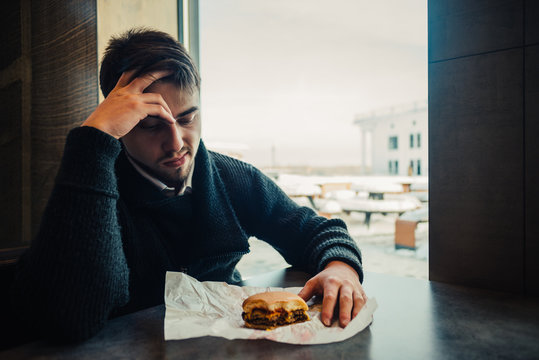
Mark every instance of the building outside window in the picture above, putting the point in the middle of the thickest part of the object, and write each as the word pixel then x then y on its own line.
pixel 380 130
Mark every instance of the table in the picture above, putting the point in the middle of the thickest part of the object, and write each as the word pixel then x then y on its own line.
pixel 396 205
pixel 416 319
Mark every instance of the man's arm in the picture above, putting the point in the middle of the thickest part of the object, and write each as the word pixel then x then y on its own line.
pixel 318 245
pixel 75 272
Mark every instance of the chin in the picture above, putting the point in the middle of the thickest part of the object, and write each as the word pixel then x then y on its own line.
pixel 178 176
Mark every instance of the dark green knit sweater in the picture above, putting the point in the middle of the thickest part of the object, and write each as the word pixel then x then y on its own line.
pixel 108 235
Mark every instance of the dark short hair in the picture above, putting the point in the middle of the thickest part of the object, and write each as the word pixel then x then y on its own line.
pixel 146 50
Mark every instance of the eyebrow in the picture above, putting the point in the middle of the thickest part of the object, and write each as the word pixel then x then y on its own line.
pixel 187 112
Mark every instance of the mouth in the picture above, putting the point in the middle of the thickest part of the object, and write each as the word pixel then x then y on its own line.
pixel 175 162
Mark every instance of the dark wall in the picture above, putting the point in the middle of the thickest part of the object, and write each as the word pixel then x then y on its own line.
pixel 483 91
pixel 48 85
pixel 64 85
pixel 15 81
pixel 531 125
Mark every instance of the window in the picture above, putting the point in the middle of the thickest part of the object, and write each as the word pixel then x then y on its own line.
pixel 411 168
pixel 393 166
pixel 418 140
pixel 255 53
pixel 418 166
pixel 393 143
pixel 411 141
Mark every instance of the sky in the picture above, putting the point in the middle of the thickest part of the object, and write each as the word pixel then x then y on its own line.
pixel 292 74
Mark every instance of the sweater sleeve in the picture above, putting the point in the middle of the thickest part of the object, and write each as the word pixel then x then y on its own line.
pixel 75 272
pixel 303 238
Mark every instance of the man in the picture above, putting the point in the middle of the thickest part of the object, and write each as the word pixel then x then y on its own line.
pixel 137 194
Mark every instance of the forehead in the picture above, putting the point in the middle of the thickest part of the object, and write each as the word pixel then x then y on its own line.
pixel 176 98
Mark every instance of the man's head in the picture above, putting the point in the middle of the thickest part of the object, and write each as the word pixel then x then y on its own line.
pixel 164 150
pixel 146 51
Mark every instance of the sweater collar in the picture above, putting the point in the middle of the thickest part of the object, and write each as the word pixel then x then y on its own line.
pixel 213 210
pixel 213 214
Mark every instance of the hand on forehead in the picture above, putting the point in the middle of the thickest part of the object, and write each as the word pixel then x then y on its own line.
pixel 140 83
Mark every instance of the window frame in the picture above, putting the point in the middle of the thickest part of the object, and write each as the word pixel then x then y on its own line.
pixel 189 28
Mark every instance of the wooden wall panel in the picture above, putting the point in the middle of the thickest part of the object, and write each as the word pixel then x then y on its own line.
pixel 64 88
pixel 11 165
pixel 466 27
pixel 484 199
pixel 15 80
pixel 531 8
pixel 476 187
pixel 10 33
pixel 531 275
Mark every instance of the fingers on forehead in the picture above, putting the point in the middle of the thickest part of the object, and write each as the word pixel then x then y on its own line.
pixel 125 78
pixel 143 81
pixel 147 79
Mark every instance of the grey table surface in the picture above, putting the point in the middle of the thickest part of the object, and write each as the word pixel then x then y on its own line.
pixel 415 319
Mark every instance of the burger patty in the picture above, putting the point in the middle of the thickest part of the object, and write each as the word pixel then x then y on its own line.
pixel 262 317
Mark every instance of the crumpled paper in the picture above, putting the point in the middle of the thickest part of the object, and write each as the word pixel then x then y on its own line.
pixel 195 309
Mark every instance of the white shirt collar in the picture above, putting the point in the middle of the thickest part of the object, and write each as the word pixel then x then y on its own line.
pixel 187 186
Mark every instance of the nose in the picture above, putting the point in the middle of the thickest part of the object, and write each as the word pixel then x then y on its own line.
pixel 173 141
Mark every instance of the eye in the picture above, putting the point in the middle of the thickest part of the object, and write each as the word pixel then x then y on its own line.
pixel 187 119
pixel 150 123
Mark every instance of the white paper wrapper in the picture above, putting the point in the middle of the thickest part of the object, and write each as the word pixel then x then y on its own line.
pixel 195 309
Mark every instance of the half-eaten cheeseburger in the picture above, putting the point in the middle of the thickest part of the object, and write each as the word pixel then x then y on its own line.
pixel 271 309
